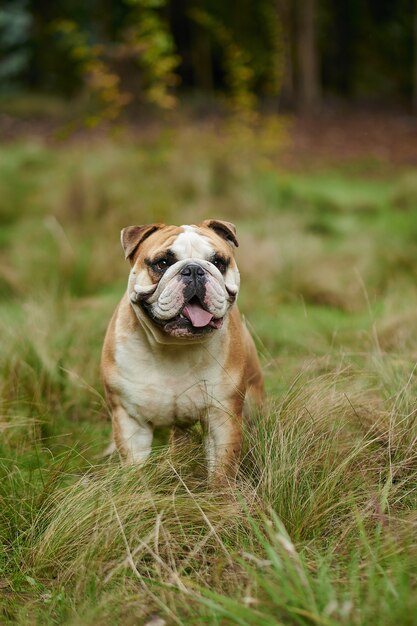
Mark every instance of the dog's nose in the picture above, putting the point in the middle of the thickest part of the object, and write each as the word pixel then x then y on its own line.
pixel 192 269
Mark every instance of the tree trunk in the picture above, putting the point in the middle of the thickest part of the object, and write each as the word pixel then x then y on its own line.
pixel 308 92
pixel 202 61
pixel 415 60
pixel 286 31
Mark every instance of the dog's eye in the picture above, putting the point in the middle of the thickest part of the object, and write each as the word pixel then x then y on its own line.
pixel 161 265
pixel 220 264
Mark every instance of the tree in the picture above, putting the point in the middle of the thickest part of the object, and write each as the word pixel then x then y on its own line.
pixel 308 91
pixel 415 60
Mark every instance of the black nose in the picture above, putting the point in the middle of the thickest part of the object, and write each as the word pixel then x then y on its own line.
pixel 192 269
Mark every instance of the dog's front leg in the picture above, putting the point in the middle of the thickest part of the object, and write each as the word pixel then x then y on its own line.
pixel 223 444
pixel 133 440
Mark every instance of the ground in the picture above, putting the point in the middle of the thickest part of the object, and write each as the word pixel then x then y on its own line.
pixel 321 529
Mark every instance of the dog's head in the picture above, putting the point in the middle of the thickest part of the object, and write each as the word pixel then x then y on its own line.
pixel 184 279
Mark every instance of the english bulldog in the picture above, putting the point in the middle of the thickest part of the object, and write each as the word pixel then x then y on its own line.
pixel 176 350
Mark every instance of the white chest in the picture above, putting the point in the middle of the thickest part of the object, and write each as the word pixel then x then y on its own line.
pixel 171 388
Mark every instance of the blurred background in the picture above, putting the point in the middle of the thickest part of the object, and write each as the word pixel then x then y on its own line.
pixel 117 55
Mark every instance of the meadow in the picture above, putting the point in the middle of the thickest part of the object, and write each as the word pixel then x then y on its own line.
pixel 321 528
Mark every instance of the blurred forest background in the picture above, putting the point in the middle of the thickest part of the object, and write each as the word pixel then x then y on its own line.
pixel 287 54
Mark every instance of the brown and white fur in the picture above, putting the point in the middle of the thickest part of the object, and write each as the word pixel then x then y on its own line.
pixel 176 350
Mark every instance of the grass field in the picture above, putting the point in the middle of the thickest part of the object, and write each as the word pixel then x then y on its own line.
pixel 322 527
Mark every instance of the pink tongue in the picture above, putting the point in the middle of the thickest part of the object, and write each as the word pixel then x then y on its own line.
pixel 197 315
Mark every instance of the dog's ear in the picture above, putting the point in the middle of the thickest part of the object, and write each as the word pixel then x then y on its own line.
pixel 132 236
pixel 225 230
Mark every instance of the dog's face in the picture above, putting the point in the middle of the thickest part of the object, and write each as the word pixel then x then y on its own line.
pixel 184 279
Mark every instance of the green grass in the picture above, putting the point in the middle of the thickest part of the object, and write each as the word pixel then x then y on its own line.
pixel 321 527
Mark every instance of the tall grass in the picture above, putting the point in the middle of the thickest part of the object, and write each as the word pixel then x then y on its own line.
pixel 321 527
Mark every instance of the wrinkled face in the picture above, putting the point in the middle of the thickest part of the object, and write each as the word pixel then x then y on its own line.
pixel 184 279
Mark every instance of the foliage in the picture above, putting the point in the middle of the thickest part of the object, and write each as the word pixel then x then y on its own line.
pixel 15 23
pixel 147 40
pixel 158 50
pixel 99 80
pixel 238 73
pixel 154 43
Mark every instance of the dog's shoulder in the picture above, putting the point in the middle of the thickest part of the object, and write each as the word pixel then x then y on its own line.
pixel 122 324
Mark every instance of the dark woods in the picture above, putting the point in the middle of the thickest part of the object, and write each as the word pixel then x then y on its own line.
pixel 293 54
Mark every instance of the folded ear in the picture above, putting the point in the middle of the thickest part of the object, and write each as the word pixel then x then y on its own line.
pixel 132 236
pixel 225 230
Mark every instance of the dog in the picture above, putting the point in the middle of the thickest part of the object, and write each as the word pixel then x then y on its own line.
pixel 176 350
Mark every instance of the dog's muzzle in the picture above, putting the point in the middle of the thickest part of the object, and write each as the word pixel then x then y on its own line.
pixel 189 300
pixel 194 278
